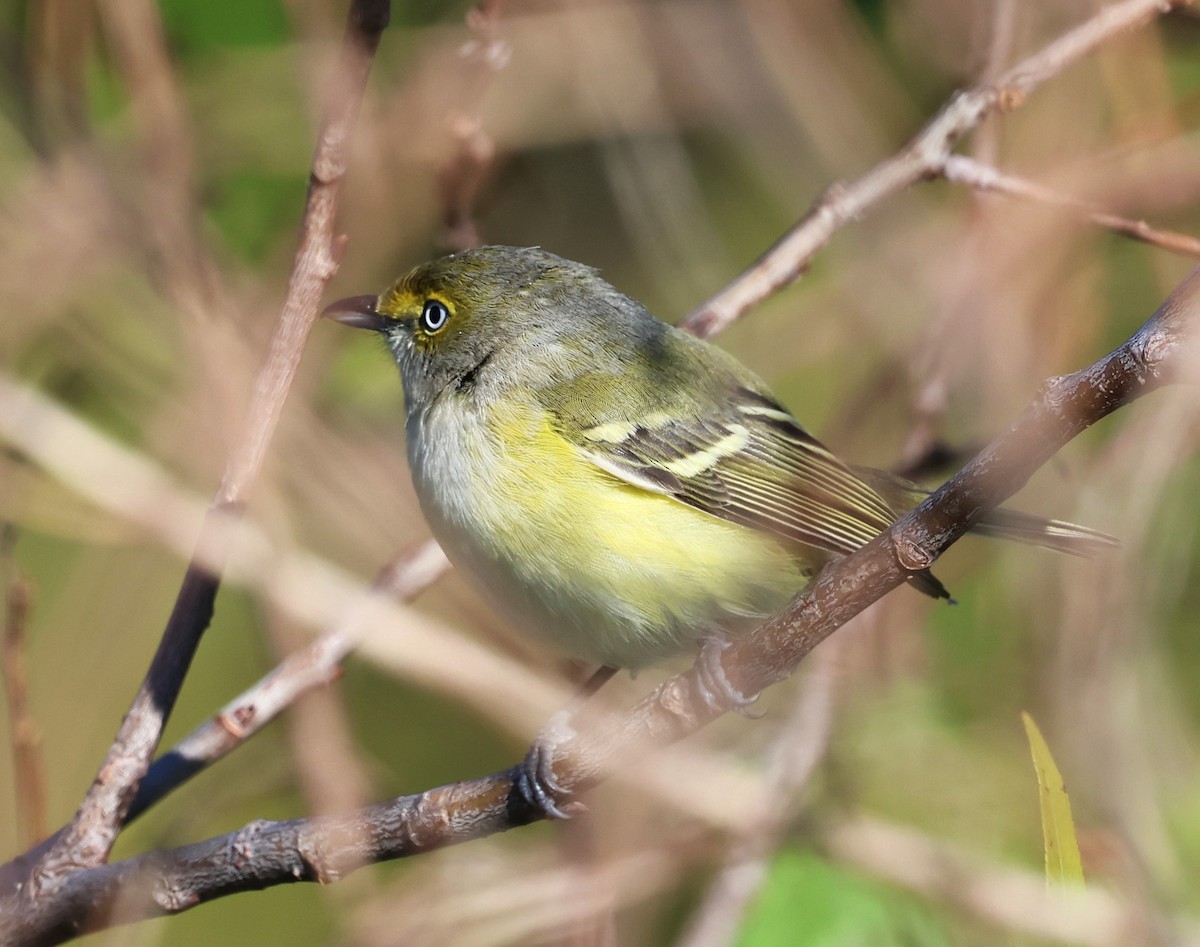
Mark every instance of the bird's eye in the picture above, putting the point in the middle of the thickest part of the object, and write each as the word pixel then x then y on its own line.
pixel 434 315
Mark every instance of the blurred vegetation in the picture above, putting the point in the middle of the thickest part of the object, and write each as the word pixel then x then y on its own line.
pixel 147 243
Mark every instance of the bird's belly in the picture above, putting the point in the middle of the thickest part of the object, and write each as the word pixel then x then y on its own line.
pixel 606 571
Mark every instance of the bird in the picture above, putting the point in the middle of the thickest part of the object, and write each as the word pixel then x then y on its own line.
pixel 619 487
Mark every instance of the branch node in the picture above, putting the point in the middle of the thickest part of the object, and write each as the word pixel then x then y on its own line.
pixel 320 868
pixel 912 555
pixel 173 898
pixel 675 697
pixel 237 722
pixel 241 846
pixel 1052 390
pixel 1009 98
pixel 337 248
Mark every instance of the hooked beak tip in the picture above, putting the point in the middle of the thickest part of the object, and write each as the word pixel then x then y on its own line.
pixel 358 312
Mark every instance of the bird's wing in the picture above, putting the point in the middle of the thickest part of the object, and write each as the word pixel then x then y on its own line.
pixel 752 464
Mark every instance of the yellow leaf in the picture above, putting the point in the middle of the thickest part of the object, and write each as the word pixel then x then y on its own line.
pixel 1063 865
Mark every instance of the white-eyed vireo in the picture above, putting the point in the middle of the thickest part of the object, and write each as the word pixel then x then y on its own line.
pixel 611 482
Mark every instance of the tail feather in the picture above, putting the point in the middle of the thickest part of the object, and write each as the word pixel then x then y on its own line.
pixel 1058 535
pixel 1001 523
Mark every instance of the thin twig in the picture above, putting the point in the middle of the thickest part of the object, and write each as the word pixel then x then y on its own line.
pixel 89 837
pixel 964 170
pixel 925 155
pixel 404 578
pixel 29 766
pixel 1002 30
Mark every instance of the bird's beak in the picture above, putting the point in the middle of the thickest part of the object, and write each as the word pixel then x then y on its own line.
pixel 359 312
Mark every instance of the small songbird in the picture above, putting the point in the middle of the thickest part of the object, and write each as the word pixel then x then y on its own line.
pixel 614 484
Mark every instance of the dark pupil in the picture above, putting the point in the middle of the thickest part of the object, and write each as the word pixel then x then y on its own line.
pixel 434 315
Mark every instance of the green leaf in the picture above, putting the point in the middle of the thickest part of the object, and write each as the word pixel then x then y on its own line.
pixel 807 902
pixel 1063 864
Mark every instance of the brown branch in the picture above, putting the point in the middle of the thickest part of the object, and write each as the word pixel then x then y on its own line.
pixel 921 158
pixel 29 766
pixel 89 837
pixel 404 578
pixel 963 170
pixel 323 849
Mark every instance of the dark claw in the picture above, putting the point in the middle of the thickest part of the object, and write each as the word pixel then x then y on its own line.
pixel 537 786
pixel 535 781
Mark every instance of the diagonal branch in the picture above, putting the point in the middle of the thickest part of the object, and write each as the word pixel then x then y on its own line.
pixel 264 854
pixel 921 158
pixel 983 177
pixel 404 578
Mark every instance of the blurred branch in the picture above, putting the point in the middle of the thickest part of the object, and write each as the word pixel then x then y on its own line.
pixel 404 578
pixel 461 179
pixel 798 748
pixel 920 159
pixel 1016 901
pixel 929 366
pixel 89 838
pixel 169 213
pixel 324 849
pixel 29 767
pixel 963 170
pixel 986 144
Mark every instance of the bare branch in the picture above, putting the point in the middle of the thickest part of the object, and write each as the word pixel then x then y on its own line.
pixel 921 158
pixel 963 170
pixel 404 578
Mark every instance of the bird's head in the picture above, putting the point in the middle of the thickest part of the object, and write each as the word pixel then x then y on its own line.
pixel 445 320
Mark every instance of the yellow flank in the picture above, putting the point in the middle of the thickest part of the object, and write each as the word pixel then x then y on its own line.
pixel 649 571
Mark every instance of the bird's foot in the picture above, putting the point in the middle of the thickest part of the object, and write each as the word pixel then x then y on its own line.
pixel 536 783
pixel 715 688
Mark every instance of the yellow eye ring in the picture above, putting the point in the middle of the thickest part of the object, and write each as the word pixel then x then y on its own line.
pixel 434 316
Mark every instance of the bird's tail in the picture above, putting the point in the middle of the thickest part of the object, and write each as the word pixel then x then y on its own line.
pixel 1059 535
pixel 1002 522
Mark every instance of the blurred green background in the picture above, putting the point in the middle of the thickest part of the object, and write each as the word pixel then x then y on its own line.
pixel 153 166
